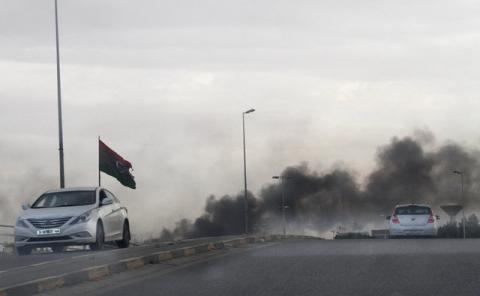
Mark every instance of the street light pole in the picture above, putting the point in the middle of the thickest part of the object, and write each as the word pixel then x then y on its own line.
pixel 59 102
pixel 463 202
pixel 245 171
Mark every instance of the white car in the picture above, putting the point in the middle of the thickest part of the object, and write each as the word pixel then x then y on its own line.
pixel 413 220
pixel 75 216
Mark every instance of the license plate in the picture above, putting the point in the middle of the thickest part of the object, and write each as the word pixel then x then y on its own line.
pixel 48 231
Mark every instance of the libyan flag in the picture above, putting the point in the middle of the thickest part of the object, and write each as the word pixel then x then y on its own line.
pixel 114 165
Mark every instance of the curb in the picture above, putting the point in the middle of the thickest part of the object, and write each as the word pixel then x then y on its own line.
pixel 99 272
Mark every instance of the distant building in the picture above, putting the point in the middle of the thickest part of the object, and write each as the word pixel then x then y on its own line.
pixel 380 233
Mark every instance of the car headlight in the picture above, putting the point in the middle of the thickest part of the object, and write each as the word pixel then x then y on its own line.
pixel 21 223
pixel 82 218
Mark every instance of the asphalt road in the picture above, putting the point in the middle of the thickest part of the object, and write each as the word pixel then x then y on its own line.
pixel 20 269
pixel 308 267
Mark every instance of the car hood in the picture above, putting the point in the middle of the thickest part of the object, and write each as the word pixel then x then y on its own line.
pixel 60 212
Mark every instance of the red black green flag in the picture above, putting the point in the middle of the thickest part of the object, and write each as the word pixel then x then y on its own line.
pixel 114 165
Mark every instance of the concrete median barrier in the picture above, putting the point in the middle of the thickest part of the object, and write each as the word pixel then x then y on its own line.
pixel 99 272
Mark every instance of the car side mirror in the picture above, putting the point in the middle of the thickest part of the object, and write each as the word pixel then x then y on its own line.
pixel 388 217
pixel 25 206
pixel 107 201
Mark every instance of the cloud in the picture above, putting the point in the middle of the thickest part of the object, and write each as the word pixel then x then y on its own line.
pixel 165 82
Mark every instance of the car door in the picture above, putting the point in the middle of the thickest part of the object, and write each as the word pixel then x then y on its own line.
pixel 117 216
pixel 107 214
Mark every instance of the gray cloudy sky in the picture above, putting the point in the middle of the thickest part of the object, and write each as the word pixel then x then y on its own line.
pixel 164 83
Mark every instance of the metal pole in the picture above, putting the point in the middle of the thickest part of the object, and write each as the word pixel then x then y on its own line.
pixel 283 209
pixel 245 176
pixel 245 170
pixel 59 99
pixel 99 175
pixel 463 209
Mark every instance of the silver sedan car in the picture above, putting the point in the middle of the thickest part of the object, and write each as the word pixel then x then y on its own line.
pixel 413 220
pixel 75 216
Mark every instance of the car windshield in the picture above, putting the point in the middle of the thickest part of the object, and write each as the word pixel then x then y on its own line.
pixel 65 199
pixel 413 210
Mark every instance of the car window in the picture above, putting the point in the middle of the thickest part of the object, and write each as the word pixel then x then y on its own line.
pixel 109 194
pixel 103 195
pixel 65 199
pixel 413 210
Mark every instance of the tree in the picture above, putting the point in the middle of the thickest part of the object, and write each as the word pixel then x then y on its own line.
pixel 473 226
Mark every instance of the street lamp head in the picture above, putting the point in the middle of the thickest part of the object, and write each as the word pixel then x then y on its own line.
pixel 458 172
pixel 276 177
pixel 249 111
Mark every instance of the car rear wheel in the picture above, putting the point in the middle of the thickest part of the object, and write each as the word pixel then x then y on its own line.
pixel 100 238
pixel 125 241
pixel 23 250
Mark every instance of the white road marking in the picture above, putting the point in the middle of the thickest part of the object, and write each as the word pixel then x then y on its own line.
pixel 45 262
pixel 82 256
pixel 32 265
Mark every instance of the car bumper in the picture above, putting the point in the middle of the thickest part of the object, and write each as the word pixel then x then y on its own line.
pixel 78 234
pixel 413 231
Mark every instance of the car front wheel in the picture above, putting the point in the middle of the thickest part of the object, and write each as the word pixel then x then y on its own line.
pixel 100 238
pixel 57 249
pixel 125 241
pixel 24 250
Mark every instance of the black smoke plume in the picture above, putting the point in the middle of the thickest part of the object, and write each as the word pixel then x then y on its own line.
pixel 407 171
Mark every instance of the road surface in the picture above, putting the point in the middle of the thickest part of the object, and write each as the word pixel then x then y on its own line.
pixel 16 270
pixel 308 267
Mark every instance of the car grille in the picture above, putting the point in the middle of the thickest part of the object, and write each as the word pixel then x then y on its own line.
pixel 49 239
pixel 49 223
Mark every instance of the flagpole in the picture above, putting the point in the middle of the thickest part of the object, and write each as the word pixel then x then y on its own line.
pixel 99 175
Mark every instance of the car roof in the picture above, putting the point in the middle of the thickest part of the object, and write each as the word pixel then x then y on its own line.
pixel 412 204
pixel 72 189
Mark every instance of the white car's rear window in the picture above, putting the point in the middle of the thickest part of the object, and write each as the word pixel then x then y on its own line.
pixel 413 210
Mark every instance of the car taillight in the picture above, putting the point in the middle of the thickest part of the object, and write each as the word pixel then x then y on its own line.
pixel 431 219
pixel 395 220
